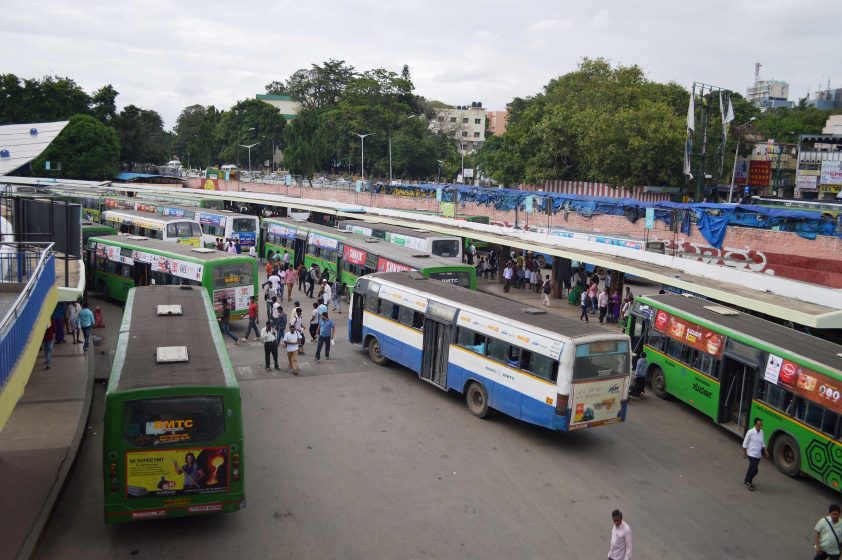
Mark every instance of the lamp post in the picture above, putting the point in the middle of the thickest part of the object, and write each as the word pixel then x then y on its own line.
pixel 249 146
pixel 239 135
pixel 438 177
pixel 736 152
pixel 462 150
pixel 362 152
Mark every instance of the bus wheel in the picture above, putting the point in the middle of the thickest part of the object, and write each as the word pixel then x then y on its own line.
pixel 477 399
pixel 376 353
pixel 786 455
pixel 659 383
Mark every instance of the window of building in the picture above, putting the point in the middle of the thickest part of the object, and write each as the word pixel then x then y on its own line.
pixel 477 121
pixel 452 119
pixel 476 134
pixel 464 133
pixel 465 120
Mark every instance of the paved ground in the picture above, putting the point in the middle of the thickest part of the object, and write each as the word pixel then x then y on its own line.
pixel 351 460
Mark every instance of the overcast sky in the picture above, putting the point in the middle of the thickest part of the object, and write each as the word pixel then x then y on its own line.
pixel 168 55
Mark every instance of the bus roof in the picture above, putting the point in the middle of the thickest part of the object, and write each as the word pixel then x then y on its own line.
pixel 149 217
pixel 496 305
pixel 168 248
pixel 787 339
pixel 409 232
pixel 143 331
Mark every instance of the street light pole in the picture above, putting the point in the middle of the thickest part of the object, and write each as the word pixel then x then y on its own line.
pixel 362 152
pixel 249 146
pixel 736 152
pixel 462 150
pixel 438 177
pixel 390 157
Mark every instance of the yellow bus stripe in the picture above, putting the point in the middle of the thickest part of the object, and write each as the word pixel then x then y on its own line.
pixel 796 421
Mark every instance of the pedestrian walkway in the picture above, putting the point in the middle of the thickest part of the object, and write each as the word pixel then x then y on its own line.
pixel 39 443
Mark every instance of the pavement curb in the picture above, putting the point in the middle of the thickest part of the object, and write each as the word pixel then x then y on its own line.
pixel 30 544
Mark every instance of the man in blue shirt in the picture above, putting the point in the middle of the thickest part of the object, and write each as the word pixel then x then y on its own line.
pixel 86 322
pixel 326 332
pixel 640 376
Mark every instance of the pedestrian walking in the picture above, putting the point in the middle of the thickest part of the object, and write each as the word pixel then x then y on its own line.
pixel 602 301
pixel 301 273
pixel 508 273
pixel 753 449
pixel 297 321
pixel 312 278
pixel 828 535
pixel 638 388
pixel 327 294
pixel 73 312
pixel 253 252
pixel 269 336
pixel 48 343
pixel 592 299
pixel 326 333
pixel 291 344
pixel 585 303
pixel 57 320
pixel 621 538
pixel 252 319
pixel 268 297
pixel 314 321
pixel 286 259
pixel 225 321
pixel 86 323
pixel 335 301
pixel 546 288
pixel 289 279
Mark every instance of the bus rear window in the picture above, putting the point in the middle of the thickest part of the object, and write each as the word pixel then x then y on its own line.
pixel 173 420
pixel 230 275
pixel 605 358
pixel 244 225
pixel 446 247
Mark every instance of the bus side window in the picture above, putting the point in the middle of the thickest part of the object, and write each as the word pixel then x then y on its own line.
pixel 418 320
pixel 172 230
pixel 831 421
pixel 513 356
pixel 406 316
pixel 497 350
pixel 372 303
pixel 539 365
pixel 470 340
pixel 815 415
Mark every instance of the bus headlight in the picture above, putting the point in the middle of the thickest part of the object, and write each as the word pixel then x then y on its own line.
pixel 561 404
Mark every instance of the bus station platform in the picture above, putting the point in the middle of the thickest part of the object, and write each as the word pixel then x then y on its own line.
pixel 39 443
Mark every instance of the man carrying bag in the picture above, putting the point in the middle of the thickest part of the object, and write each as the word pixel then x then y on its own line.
pixel 828 534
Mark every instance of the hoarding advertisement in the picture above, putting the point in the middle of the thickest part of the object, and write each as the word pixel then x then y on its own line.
pixel 176 472
pixel 281 231
pixel 354 256
pixel 690 334
pixel 802 381
pixel 247 238
pixel 213 220
pixel 806 182
pixel 385 265
pixel 596 402
pixel 238 297
pixel 759 173
pixel 831 173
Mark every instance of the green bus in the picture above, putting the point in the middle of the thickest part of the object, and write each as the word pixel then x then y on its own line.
pixel 173 434
pixel 122 262
pixel 93 229
pixel 355 255
pixel 734 367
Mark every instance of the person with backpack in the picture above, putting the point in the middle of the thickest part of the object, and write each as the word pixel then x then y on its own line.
pixel 828 535
pixel 546 289
pixel 312 278
pixel 335 301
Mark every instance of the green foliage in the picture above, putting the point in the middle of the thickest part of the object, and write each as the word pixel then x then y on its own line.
pixel 86 149
pixel 50 99
pixel 784 125
pixel 248 122
pixel 104 105
pixel 142 137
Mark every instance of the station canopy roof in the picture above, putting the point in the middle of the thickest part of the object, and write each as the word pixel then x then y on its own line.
pixel 21 143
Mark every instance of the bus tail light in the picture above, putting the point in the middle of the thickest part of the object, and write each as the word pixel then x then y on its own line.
pixel 235 464
pixel 561 404
pixel 112 474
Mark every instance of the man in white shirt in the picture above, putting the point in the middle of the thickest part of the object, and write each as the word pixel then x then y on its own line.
pixel 621 538
pixel 274 281
pixel 291 343
pixel 508 273
pixel 270 344
pixel 753 450
pixel 328 291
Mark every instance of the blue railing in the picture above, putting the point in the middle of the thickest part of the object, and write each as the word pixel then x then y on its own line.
pixel 32 266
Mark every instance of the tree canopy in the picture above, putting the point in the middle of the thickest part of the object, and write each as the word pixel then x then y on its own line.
pixel 85 149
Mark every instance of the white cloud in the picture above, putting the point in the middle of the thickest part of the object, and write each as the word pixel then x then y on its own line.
pixel 168 55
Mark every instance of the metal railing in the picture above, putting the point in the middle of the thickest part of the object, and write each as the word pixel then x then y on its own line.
pixel 33 266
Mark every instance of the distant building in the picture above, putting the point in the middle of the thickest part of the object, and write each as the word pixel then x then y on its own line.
pixel 833 125
pixel 819 169
pixel 287 106
pixel 498 121
pixel 768 94
pixel 827 99
pixel 463 123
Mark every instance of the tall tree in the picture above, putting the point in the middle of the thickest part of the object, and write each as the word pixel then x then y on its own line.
pixel 142 137
pixel 104 105
pixel 86 149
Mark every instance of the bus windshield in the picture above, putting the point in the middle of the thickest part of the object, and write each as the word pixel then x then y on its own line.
pixel 173 420
pixel 244 225
pixel 445 247
pixel 231 275
pixel 605 358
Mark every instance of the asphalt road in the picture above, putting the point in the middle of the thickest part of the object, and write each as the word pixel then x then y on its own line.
pixel 355 461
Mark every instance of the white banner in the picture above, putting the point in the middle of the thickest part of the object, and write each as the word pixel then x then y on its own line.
pixel 831 173
pixel 806 182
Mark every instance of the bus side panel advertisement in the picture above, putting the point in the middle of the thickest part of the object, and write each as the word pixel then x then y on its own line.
pixel 323 241
pixel 385 265
pixel 237 296
pixel 247 238
pixel 176 472
pixel 809 384
pixel 690 334
pixel 213 220
pixel 281 231
pixel 354 256
pixel 596 401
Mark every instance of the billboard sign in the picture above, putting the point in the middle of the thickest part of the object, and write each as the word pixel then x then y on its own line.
pixel 831 173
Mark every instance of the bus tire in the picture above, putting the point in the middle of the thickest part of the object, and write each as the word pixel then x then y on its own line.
pixel 376 353
pixel 476 398
pixel 787 455
pixel 659 383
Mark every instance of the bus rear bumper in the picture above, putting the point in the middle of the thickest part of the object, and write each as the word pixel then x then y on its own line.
pixel 121 514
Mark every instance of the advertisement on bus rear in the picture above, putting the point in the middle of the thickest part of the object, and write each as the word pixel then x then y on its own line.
pixel 176 472
pixel 238 297
pixel 596 402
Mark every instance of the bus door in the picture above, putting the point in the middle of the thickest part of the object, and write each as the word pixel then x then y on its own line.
pixel 142 273
pixel 436 346
pixel 300 247
pixel 356 312
pixel 638 328
pixel 740 364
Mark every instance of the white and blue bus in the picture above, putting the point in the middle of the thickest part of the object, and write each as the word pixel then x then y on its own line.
pixel 551 371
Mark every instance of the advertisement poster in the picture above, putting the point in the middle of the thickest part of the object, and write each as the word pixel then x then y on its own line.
pixel 406 241
pixel 212 184
pixel 690 334
pixel 809 384
pixel 773 369
pixel 385 265
pixel 741 172
pixel 247 238
pixel 596 401
pixel 807 180
pixel 323 241
pixel 831 173
pixel 759 173
pixel 213 220
pixel 238 297
pixel 354 256
pixel 176 212
pixel 176 472
pixel 281 231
